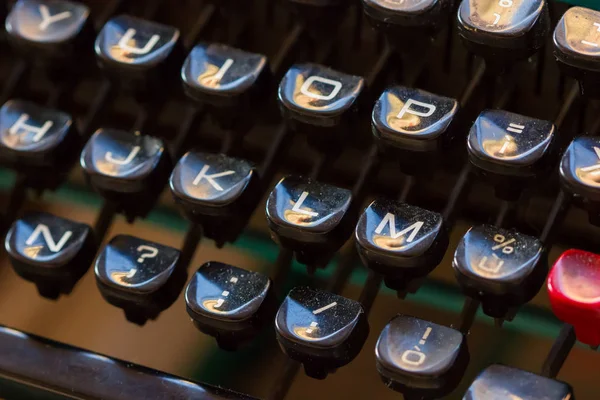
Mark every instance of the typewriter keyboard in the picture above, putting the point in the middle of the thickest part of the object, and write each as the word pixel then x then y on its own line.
pixel 300 199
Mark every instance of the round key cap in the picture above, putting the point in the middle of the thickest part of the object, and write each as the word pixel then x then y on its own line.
pixel 400 241
pixel 228 80
pixel 510 150
pixel 321 330
pixel 501 382
pixel 402 19
pixel 217 192
pixel 503 30
pixel 502 268
pixel 141 277
pixel 320 102
pixel 310 217
pixel 128 169
pixel 52 252
pixel 41 144
pixel 421 359
pixel 229 303
pixel 56 33
pixel 580 174
pixel 577 47
pixel 574 290
pixel 142 55
pixel 413 127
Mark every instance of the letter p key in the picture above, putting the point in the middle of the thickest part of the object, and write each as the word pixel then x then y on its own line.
pixel 416 111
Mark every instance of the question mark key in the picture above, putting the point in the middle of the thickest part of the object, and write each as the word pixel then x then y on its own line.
pixel 141 277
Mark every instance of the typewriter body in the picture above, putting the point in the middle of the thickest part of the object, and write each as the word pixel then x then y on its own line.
pixel 324 199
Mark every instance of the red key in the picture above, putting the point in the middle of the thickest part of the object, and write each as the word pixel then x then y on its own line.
pixel 574 289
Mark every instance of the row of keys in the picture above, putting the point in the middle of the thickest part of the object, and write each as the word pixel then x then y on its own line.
pixel 322 330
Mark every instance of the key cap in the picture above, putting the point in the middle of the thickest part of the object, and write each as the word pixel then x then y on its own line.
pixel 574 291
pixel 511 150
pixel 577 47
pixel 312 218
pixel 139 276
pixel 413 127
pixel 230 81
pixel 502 268
pixel 320 102
pixel 421 359
pixel 501 382
pixel 39 143
pixel 229 303
pixel 142 55
pixel 217 192
pixel 503 31
pixel 579 173
pixel 128 169
pixel 50 32
pixel 401 242
pixel 52 252
pixel 321 330
pixel 414 19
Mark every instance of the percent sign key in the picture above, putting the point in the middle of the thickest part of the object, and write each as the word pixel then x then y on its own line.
pixel 501 268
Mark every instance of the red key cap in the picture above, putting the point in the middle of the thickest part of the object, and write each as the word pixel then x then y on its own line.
pixel 574 289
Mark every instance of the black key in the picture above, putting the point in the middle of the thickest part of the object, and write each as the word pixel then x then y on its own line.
pixel 217 192
pixel 399 19
pixel 229 80
pixel 400 241
pixel 52 252
pixel 580 173
pixel 511 149
pixel 41 144
pixel 51 31
pixel 503 30
pixel 320 101
pixel 142 54
pixel 421 359
pixel 309 217
pixel 501 382
pixel 321 330
pixel 502 268
pixel 580 168
pixel 141 277
pixel 577 47
pixel 410 124
pixel 127 169
pixel 229 303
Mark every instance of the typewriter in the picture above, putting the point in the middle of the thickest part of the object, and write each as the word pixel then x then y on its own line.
pixel 292 199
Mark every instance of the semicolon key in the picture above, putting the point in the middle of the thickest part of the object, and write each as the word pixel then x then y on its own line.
pixel 230 303
pixel 139 276
pixel 50 251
